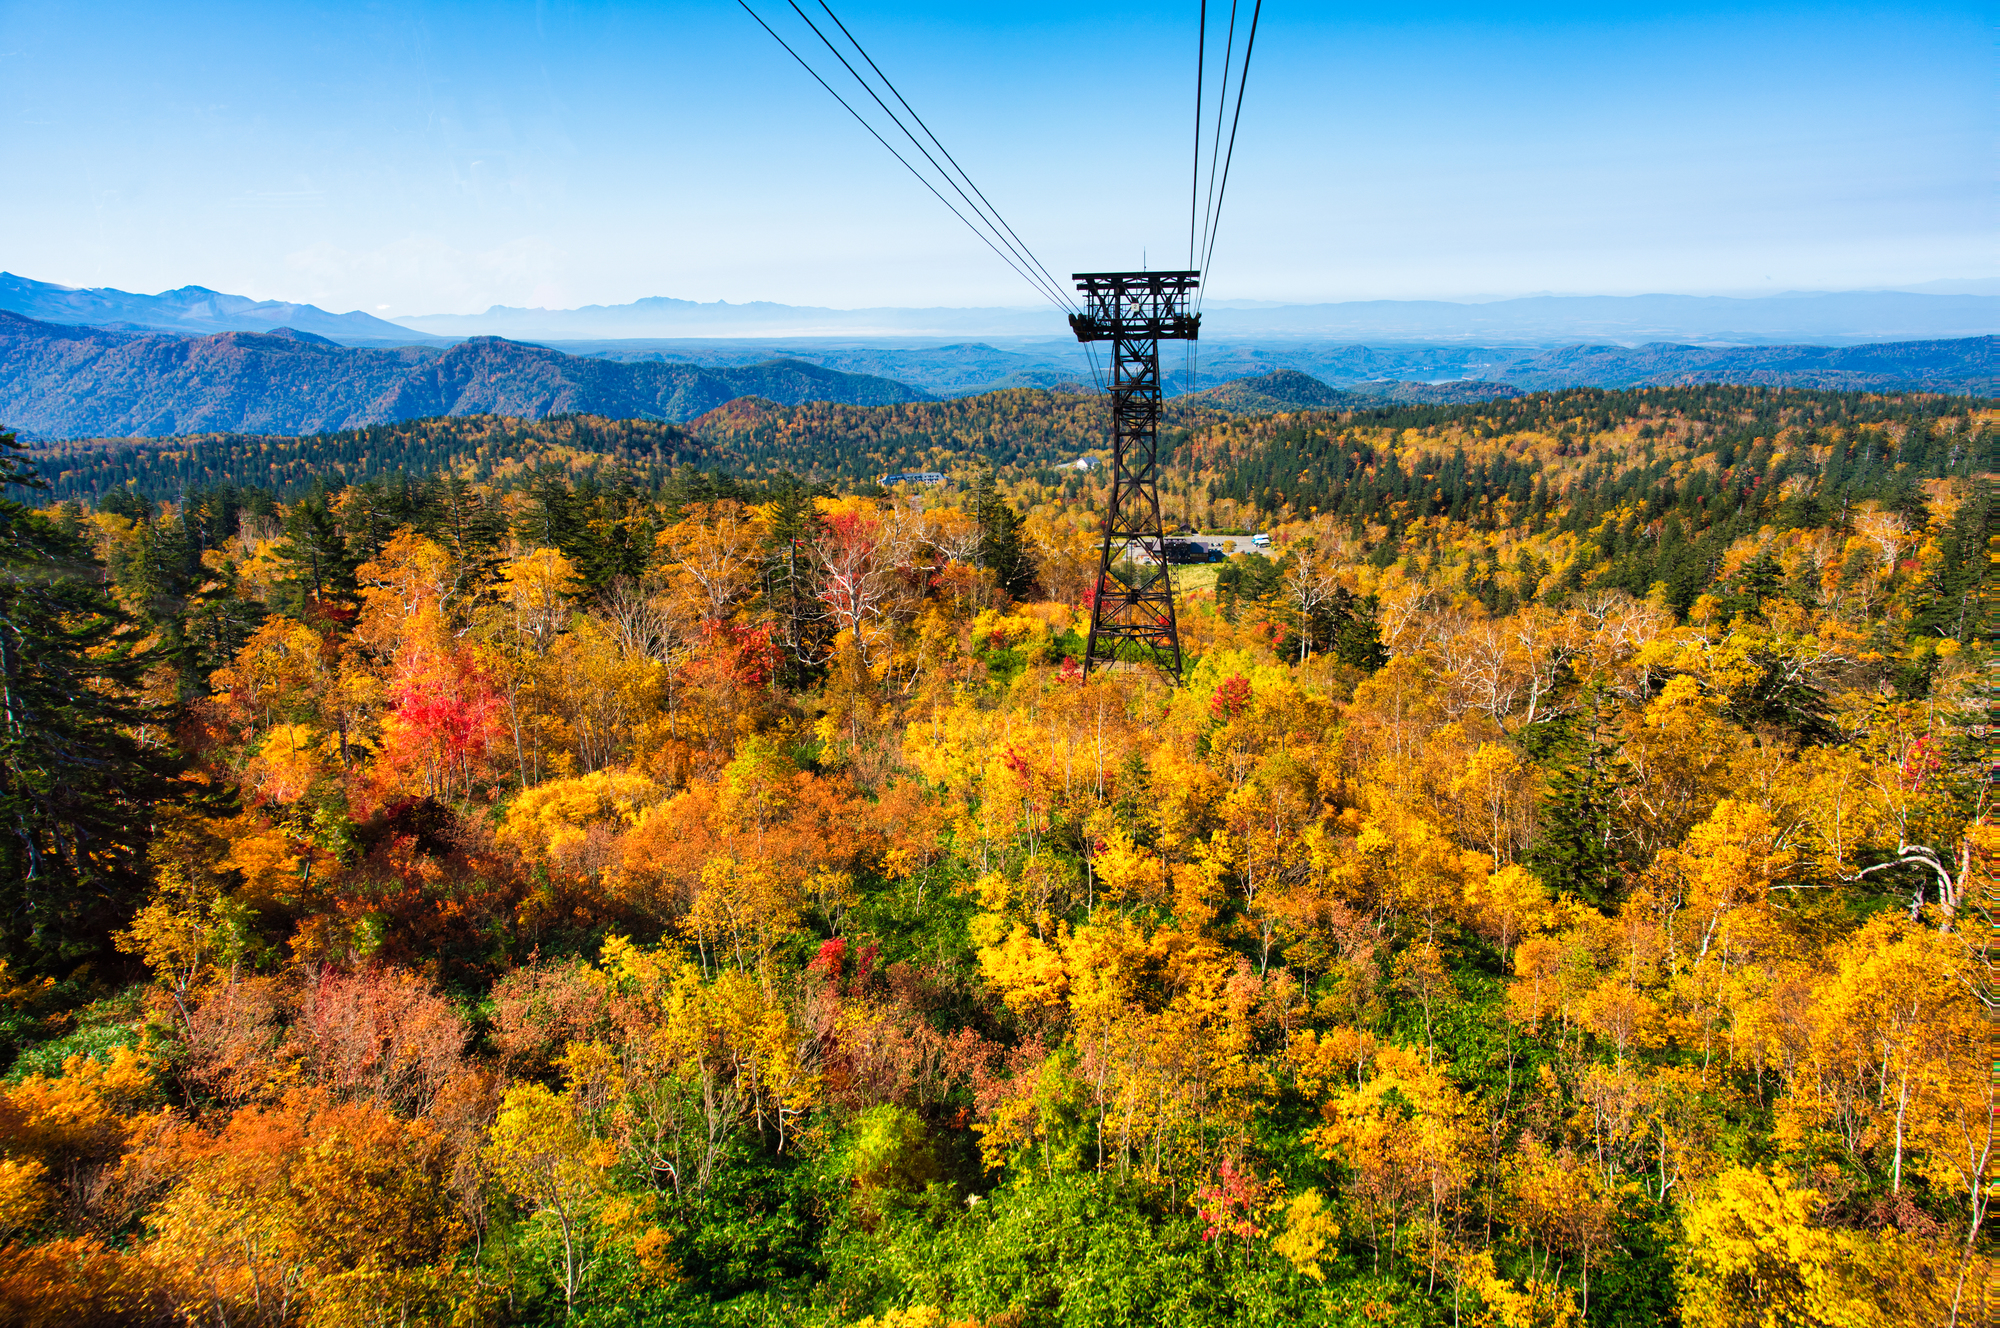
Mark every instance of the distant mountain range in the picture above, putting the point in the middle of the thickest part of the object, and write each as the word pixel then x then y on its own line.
pixel 1967 364
pixel 949 370
pixel 1540 320
pixel 70 382
pixel 1846 317
pixel 1838 318
pixel 960 369
pixel 60 381
pixel 662 316
pixel 1407 373
pixel 191 309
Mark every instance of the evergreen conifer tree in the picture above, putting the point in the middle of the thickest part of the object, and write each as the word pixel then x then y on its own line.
pixel 1574 850
pixel 315 548
pixel 1001 550
pixel 76 787
pixel 1357 637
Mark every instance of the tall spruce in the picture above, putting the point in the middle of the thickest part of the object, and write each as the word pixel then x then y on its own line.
pixel 76 786
pixel 315 551
pixel 1001 548
pixel 1575 846
pixel 788 578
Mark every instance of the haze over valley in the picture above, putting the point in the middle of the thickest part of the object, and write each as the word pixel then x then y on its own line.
pixel 82 363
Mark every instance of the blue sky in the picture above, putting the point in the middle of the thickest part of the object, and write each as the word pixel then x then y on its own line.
pixel 415 157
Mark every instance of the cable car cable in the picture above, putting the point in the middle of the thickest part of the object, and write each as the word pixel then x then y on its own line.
pixel 1249 47
pixel 1221 105
pixel 940 146
pixel 897 155
pixel 1200 62
pixel 1194 182
pixel 914 140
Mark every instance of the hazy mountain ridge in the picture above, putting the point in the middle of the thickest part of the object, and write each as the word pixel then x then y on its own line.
pixel 191 310
pixel 1937 366
pixel 961 369
pixel 1541 320
pixel 1968 364
pixel 953 369
pixel 1848 316
pixel 1960 365
pixel 1290 390
pixel 68 382
pixel 62 382
pixel 1842 317
pixel 661 315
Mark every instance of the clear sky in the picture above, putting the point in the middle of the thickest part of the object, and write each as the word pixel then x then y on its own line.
pixel 408 157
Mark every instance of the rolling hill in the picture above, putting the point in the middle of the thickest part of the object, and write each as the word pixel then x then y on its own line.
pixel 70 382
pixel 1288 389
pixel 1965 364
pixel 1400 370
pixel 1271 457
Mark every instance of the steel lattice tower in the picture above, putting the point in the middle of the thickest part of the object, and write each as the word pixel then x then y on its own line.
pixel 1135 311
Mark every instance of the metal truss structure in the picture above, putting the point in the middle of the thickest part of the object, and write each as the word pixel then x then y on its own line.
pixel 1134 599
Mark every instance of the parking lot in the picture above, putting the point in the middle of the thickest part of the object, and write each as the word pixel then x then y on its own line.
pixel 1214 544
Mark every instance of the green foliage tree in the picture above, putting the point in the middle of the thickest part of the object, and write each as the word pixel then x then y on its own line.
pixel 1575 849
pixel 75 782
pixel 1001 548
pixel 315 550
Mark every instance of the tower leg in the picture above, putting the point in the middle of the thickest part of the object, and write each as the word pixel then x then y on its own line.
pixel 1134 600
pixel 1132 612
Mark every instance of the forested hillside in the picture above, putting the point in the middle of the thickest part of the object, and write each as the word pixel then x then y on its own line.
pixel 490 872
pixel 478 449
pixel 1024 427
pixel 76 382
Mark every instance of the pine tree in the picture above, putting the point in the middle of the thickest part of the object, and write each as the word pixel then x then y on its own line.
pixel 470 527
pixel 788 574
pixel 1357 637
pixel 1001 550
pixel 550 520
pixel 1574 850
pixel 316 550
pixel 75 785
pixel 1944 607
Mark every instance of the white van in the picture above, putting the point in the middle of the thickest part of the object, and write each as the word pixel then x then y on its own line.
pixel 1261 541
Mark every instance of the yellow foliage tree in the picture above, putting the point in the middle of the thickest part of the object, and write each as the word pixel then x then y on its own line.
pixel 540 1151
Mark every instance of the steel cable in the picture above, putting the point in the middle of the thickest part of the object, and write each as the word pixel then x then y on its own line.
pixel 1221 106
pixel 1051 288
pixel 1200 66
pixel 994 211
pixel 1249 48
pixel 921 178
pixel 1194 183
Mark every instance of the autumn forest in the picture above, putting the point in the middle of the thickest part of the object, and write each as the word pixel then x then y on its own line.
pixel 595 872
